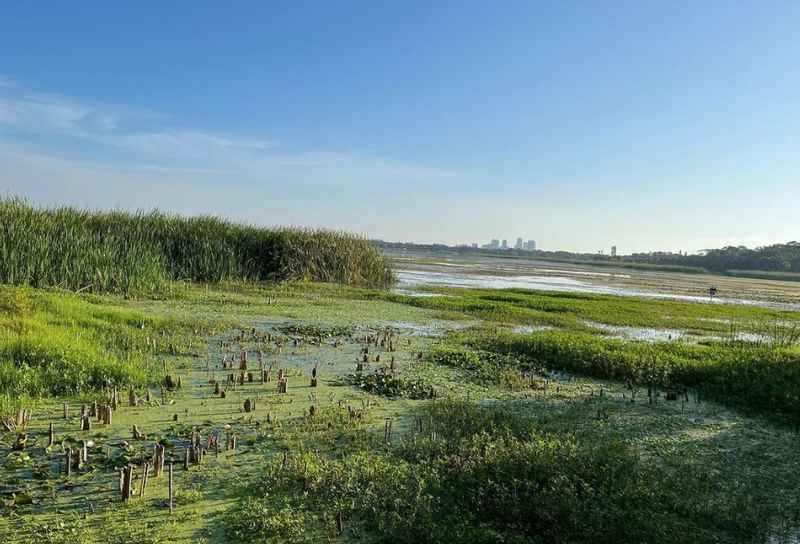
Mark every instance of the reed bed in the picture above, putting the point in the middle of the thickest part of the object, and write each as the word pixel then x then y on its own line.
pixel 117 251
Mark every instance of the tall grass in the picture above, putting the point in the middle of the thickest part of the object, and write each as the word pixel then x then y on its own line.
pixel 120 251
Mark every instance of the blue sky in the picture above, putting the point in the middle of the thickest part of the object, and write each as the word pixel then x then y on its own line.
pixel 649 125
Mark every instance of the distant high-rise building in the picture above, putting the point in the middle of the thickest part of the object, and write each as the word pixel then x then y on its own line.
pixel 504 245
pixel 530 245
pixel 474 245
pixel 494 244
pixel 613 251
pixel 518 245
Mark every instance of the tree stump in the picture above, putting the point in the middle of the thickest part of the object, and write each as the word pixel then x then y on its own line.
pixel 127 482
pixel 158 459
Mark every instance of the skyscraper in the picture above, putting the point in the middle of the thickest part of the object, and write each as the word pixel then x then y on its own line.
pixel 518 245
pixel 504 244
pixel 613 251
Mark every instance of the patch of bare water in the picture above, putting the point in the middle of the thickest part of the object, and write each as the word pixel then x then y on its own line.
pixel 645 334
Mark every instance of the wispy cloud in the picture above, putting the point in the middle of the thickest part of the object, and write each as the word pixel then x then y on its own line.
pixel 105 155
pixel 119 127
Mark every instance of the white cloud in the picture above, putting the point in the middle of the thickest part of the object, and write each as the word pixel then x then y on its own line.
pixel 144 140
pixel 120 157
pixel 118 127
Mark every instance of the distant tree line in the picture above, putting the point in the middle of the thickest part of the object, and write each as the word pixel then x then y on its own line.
pixel 774 258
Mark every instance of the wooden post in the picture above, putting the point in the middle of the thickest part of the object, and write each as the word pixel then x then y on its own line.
pixel 68 462
pixel 387 431
pixel 66 411
pixel 127 482
pixel 158 459
pixel 145 473
pixel 171 490
pixel 51 438
pixel 186 459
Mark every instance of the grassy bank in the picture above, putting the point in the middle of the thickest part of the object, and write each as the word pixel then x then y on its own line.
pixel 121 252
pixel 56 343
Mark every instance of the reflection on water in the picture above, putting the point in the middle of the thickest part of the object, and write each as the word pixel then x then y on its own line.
pixel 410 279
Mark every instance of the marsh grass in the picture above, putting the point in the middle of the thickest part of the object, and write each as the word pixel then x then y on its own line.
pixel 573 311
pixel 763 378
pixel 118 251
pixel 57 343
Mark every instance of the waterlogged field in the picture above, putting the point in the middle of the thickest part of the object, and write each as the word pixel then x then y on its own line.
pixel 447 269
pixel 468 415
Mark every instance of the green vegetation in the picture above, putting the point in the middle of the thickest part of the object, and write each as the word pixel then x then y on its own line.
pixel 764 275
pixel 490 436
pixel 487 474
pixel 389 385
pixel 762 378
pixel 56 343
pixel 576 311
pixel 762 373
pixel 122 252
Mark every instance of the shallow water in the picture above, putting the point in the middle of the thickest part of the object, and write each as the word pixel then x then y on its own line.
pixel 645 334
pixel 410 279
pixel 528 329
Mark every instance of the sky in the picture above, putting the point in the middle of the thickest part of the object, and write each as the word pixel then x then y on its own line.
pixel 646 125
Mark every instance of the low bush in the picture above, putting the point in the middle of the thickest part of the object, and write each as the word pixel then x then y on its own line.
pixel 485 474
